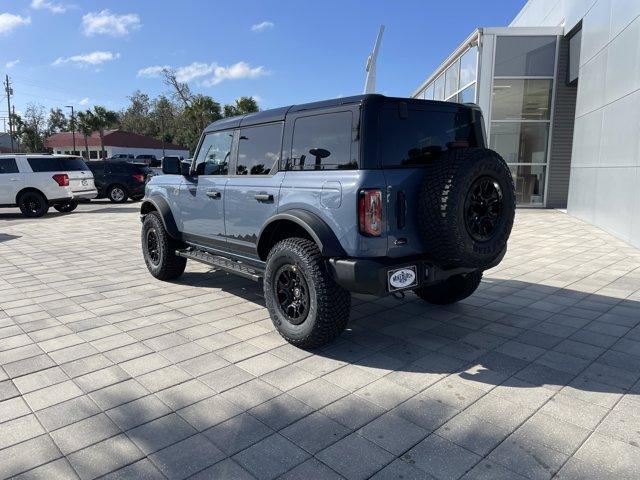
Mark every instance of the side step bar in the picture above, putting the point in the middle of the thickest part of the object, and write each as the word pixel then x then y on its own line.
pixel 222 263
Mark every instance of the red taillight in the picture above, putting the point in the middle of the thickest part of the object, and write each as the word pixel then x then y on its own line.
pixel 370 212
pixel 61 179
pixel 138 177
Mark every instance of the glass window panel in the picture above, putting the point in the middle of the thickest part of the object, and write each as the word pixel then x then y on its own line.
pixel 323 142
pixel 423 135
pixel 520 142
pixel 428 93
pixel 438 88
pixel 574 55
pixel 452 76
pixel 453 98
pixel 525 56
pixel 215 151
pixel 529 183
pixel 468 95
pixel 259 149
pixel 521 99
pixel 8 165
pixel 468 66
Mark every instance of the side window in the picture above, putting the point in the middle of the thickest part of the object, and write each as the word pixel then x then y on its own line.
pixel 97 168
pixel 93 154
pixel 44 164
pixel 323 142
pixel 259 149
pixel 214 154
pixel 8 165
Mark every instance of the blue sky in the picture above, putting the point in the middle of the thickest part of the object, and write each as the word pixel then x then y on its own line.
pixel 97 52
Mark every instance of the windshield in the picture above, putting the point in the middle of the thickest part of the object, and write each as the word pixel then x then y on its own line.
pixel 424 134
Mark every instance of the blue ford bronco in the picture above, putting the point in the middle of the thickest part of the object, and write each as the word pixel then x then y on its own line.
pixel 366 194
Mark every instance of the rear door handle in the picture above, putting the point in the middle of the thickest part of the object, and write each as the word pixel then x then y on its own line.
pixel 264 197
pixel 214 194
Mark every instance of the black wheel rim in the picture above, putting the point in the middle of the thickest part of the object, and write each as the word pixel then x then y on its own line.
pixel 153 246
pixel 32 204
pixel 483 209
pixel 292 294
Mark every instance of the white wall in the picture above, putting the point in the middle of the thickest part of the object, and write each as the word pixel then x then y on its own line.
pixel 605 164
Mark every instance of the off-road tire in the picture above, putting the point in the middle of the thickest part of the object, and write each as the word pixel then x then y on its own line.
pixel 329 304
pixel 452 290
pixel 33 204
pixel 66 207
pixel 113 194
pixel 441 208
pixel 167 265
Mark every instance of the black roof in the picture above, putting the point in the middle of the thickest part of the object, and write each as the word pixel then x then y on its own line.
pixel 279 114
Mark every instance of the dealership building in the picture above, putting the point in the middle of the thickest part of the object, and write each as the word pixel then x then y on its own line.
pixel 560 92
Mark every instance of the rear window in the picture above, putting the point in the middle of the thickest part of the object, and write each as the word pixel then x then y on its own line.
pixel 124 167
pixel 73 164
pixel 425 134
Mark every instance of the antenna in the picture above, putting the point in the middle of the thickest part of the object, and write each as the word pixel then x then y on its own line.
pixel 370 83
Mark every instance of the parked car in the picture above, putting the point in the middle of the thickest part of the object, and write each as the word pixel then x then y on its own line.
pixel 121 156
pixel 36 182
pixel 119 180
pixel 365 194
pixel 149 160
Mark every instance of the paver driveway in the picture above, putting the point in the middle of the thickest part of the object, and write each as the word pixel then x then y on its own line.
pixel 105 371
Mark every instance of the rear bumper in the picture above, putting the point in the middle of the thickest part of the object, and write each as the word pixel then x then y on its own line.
pixel 371 276
pixel 136 190
pixel 75 197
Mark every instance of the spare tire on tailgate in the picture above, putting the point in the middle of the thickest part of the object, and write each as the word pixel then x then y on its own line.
pixel 466 209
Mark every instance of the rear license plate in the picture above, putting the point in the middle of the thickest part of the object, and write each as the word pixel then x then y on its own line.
pixel 402 278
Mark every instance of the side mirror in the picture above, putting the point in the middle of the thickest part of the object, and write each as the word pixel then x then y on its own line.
pixel 171 166
pixel 185 167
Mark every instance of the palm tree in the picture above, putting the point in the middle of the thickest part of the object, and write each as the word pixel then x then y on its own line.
pixel 86 124
pixel 103 119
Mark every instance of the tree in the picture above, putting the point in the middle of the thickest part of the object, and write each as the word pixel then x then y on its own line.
pixel 31 128
pixel 57 122
pixel 181 91
pixel 242 106
pixel 136 118
pixel 86 123
pixel 103 119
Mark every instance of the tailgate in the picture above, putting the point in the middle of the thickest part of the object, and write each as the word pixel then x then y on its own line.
pixel 80 181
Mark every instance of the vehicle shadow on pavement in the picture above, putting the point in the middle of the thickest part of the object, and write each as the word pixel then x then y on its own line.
pixel 5 237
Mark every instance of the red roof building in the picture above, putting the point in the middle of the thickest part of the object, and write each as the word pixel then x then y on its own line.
pixel 115 142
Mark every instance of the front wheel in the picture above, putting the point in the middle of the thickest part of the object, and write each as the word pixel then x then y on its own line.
pixel 117 194
pixel 453 289
pixel 307 306
pixel 33 204
pixel 66 207
pixel 159 249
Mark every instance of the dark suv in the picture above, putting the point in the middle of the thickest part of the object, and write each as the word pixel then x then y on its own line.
pixel 365 194
pixel 118 180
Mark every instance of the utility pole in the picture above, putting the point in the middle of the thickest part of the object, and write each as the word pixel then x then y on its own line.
pixel 9 91
pixel 73 128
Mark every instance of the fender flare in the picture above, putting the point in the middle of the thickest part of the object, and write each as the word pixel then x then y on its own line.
pixel 317 229
pixel 160 205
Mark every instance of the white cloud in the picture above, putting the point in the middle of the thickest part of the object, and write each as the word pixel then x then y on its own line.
pixel 88 59
pixel 47 5
pixel 195 70
pixel 262 26
pixel 236 71
pixel 152 71
pixel 107 23
pixel 9 21
pixel 84 101
pixel 12 63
